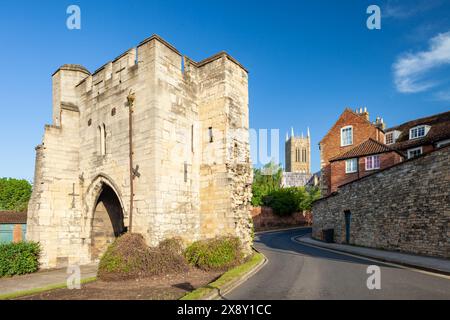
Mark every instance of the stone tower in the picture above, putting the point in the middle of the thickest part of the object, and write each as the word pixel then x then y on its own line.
pixel 298 153
pixel 151 143
pixel 298 160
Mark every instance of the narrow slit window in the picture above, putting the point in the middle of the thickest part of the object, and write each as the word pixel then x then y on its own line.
pixel 211 136
pixel 192 138
pixel 100 142
pixel 102 139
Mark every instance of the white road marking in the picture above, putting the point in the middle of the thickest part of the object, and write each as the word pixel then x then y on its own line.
pixel 294 239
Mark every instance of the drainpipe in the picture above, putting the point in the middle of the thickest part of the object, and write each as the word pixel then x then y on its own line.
pixel 131 97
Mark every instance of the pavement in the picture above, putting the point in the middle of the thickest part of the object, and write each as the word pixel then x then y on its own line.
pixel 298 271
pixel 42 279
pixel 415 261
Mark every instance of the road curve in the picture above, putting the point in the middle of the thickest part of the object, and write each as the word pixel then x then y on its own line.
pixel 296 271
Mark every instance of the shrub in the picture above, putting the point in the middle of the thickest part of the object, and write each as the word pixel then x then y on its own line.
pixel 14 194
pixel 287 201
pixel 173 245
pixel 283 202
pixel 130 258
pixel 215 254
pixel 19 258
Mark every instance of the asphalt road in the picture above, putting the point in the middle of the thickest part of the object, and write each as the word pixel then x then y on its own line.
pixel 296 271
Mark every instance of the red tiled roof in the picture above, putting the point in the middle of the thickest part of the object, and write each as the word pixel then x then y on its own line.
pixel 10 217
pixel 440 130
pixel 366 148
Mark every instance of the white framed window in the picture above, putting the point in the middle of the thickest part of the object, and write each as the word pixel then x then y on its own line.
pixel 373 162
pixel 389 138
pixel 418 132
pixel 346 136
pixel 412 153
pixel 351 165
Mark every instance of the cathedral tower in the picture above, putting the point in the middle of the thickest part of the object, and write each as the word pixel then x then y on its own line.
pixel 298 153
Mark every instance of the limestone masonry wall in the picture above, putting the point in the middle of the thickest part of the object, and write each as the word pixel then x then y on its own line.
pixel 186 185
pixel 404 208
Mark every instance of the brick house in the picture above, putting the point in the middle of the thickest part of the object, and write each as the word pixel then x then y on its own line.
pixel 354 147
pixel 350 130
pixel 366 158
pixel 420 136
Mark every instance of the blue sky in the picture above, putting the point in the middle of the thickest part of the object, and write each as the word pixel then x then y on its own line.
pixel 308 60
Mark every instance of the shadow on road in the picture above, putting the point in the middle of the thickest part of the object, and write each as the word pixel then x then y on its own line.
pixel 281 242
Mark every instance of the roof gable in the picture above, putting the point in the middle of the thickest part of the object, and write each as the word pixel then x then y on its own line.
pixel 351 113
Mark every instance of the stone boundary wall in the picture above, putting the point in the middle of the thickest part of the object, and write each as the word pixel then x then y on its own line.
pixel 403 208
pixel 264 218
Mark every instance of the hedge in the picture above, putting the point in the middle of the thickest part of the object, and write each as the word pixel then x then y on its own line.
pixel 19 258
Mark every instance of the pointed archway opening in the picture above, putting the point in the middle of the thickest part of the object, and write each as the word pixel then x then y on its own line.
pixel 107 222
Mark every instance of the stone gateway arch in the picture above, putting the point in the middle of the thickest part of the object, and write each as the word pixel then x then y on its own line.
pixel 151 143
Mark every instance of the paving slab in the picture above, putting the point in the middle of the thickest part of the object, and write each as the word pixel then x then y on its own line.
pixel 42 279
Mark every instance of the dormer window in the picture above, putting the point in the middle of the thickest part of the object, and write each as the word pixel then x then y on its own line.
pixel 346 136
pixel 418 132
pixel 391 137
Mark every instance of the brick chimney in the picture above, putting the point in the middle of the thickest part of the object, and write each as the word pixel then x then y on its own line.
pixel 379 123
pixel 363 112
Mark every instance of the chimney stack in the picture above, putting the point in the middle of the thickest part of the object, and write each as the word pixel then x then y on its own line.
pixel 379 123
pixel 365 113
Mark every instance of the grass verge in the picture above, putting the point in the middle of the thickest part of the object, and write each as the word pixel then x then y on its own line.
pixel 226 279
pixel 18 294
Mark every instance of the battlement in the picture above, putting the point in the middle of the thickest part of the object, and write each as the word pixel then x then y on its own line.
pixel 153 58
pixel 130 58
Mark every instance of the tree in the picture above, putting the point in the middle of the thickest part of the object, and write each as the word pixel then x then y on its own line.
pixel 265 181
pixel 14 194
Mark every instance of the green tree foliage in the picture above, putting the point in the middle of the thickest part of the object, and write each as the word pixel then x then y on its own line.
pixel 267 191
pixel 14 194
pixel 287 201
pixel 265 181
